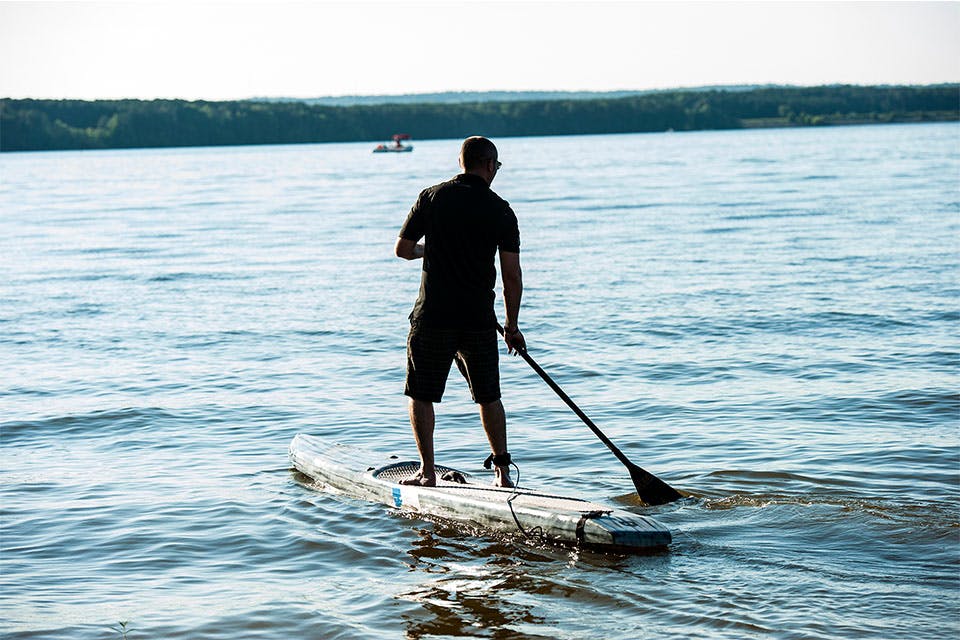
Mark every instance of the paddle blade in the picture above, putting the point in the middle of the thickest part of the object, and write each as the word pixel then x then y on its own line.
pixel 652 489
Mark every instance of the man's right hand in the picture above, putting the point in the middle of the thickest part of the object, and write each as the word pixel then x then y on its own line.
pixel 514 339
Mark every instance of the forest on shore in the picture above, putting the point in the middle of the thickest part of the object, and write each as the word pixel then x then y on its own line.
pixel 33 125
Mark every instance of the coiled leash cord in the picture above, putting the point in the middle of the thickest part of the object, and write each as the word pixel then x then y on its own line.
pixel 504 460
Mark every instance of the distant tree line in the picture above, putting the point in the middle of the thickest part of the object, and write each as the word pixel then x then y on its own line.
pixel 99 124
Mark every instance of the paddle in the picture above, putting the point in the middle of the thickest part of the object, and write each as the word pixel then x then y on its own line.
pixel 650 488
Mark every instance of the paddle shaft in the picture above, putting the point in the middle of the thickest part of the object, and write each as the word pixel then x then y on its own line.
pixel 650 488
pixel 573 405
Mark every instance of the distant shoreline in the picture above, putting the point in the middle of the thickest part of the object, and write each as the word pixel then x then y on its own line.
pixel 48 125
pixel 773 123
pixel 918 117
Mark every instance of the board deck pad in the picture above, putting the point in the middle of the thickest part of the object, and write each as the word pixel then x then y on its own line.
pixel 548 517
pixel 399 471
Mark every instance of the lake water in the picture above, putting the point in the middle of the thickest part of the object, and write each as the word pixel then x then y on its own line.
pixel 766 319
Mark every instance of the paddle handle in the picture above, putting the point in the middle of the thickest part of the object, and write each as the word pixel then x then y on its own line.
pixel 570 403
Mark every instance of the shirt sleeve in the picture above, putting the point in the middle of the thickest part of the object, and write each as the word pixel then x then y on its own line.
pixel 414 227
pixel 509 239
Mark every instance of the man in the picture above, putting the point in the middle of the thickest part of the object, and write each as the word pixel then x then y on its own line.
pixel 465 225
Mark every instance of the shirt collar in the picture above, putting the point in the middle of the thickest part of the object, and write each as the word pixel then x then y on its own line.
pixel 472 180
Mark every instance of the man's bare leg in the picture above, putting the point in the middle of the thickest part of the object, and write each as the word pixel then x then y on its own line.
pixel 495 424
pixel 422 420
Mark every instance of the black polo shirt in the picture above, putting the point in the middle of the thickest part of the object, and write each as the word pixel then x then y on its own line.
pixel 464 223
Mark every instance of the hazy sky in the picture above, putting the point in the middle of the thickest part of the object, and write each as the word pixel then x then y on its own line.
pixel 229 50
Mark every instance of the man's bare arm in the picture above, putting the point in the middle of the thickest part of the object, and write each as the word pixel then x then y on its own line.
pixel 512 286
pixel 408 249
pixel 512 277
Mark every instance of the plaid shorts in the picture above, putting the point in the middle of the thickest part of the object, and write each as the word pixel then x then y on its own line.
pixel 430 352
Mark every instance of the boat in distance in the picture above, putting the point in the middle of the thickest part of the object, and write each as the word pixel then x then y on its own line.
pixel 459 498
pixel 397 146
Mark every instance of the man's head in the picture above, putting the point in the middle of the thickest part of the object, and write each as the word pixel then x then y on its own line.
pixel 479 156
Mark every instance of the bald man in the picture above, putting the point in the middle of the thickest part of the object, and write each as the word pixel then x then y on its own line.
pixel 465 226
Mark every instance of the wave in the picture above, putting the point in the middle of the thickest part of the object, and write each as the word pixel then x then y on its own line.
pixel 125 420
pixel 777 213
pixel 817 323
pixel 182 276
pixel 901 408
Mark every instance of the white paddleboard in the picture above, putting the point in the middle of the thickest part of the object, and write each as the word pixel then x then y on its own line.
pixel 533 514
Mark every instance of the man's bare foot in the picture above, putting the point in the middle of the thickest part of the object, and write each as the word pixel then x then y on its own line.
pixel 502 478
pixel 420 480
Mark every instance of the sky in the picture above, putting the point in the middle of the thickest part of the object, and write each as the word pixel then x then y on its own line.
pixel 237 50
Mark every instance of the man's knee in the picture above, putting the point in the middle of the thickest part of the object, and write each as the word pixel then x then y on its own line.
pixel 491 405
pixel 420 404
pixel 492 413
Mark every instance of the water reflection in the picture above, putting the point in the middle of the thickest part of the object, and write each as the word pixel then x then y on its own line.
pixel 470 587
pixel 503 587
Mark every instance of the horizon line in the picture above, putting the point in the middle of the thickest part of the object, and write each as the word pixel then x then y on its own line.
pixel 706 87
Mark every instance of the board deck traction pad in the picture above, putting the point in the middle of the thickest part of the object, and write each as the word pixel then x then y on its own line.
pixel 538 515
